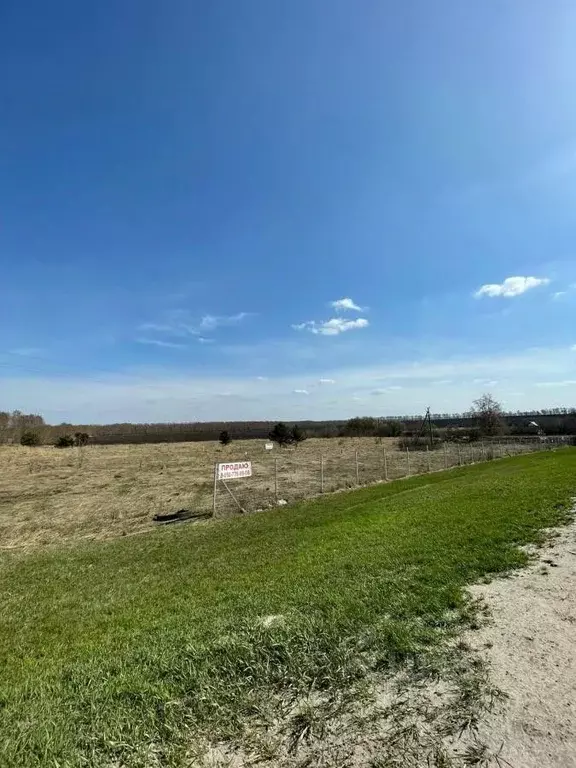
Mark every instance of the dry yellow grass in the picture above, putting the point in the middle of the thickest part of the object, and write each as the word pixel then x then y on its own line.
pixel 50 496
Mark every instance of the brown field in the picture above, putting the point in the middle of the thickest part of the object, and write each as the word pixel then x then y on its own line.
pixel 50 496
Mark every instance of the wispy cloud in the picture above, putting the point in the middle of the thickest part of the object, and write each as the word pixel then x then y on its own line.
pixel 511 287
pixel 385 390
pixel 204 340
pixel 179 323
pixel 211 322
pixel 345 305
pixel 160 343
pixel 567 291
pixel 261 378
pixel 326 381
pixel 175 329
pixel 485 382
pixel 164 394
pixel 563 383
pixel 26 351
pixel 300 392
pixel 332 327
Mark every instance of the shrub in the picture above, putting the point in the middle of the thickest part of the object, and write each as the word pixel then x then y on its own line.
pixel 224 437
pixel 81 439
pixel 281 434
pixel 391 428
pixel 418 443
pixel 64 441
pixel 360 426
pixel 30 438
pixel 298 434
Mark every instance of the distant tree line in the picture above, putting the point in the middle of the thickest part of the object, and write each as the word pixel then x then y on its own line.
pixel 16 426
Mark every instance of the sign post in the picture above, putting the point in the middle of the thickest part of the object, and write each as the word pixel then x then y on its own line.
pixel 232 470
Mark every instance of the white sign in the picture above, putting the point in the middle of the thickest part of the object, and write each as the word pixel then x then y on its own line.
pixel 234 469
pixel 268 446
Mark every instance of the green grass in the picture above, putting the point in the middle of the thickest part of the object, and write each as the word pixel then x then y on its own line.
pixel 121 653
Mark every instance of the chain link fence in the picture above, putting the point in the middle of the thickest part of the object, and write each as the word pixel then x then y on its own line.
pixel 284 479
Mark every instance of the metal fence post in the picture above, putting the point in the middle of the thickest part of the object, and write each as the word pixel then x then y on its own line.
pixel 385 466
pixel 276 479
pixel 357 468
pixel 459 456
pixel 321 474
pixel 428 458
pixel 215 489
pixel 408 460
pixel 445 456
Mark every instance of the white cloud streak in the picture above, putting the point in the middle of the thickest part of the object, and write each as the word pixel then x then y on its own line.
pixel 26 351
pixel 563 383
pixel 300 392
pixel 326 381
pixel 345 305
pixel 386 390
pixel 511 287
pixel 332 327
pixel 164 394
pixel 211 322
pixel 160 343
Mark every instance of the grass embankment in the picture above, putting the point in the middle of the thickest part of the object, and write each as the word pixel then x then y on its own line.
pixel 122 653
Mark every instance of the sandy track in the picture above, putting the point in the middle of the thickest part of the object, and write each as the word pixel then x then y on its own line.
pixel 531 650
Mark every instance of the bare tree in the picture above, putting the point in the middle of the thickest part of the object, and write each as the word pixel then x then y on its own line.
pixel 489 415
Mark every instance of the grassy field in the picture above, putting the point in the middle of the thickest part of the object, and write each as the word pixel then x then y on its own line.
pixel 50 496
pixel 134 652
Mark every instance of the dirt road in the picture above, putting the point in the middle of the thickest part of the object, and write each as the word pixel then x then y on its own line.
pixel 531 650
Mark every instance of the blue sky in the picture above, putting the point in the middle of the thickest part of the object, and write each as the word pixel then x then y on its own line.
pixel 263 209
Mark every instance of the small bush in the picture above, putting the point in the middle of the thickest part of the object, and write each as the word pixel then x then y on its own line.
pixel 81 439
pixel 298 434
pixel 281 434
pixel 30 438
pixel 225 438
pixel 418 443
pixel 64 441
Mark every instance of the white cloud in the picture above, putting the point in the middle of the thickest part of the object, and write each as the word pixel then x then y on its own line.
pixel 512 286
pixel 326 381
pixel 168 394
pixel 441 382
pixel 261 378
pixel 26 351
pixel 211 322
pixel 385 390
pixel 300 392
pixel 332 327
pixel 160 343
pixel 345 305
pixel 564 383
pixel 558 295
pixel 180 323
pixel 204 340
pixel 485 382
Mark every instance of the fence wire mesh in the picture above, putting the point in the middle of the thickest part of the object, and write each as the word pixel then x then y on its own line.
pixel 285 479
